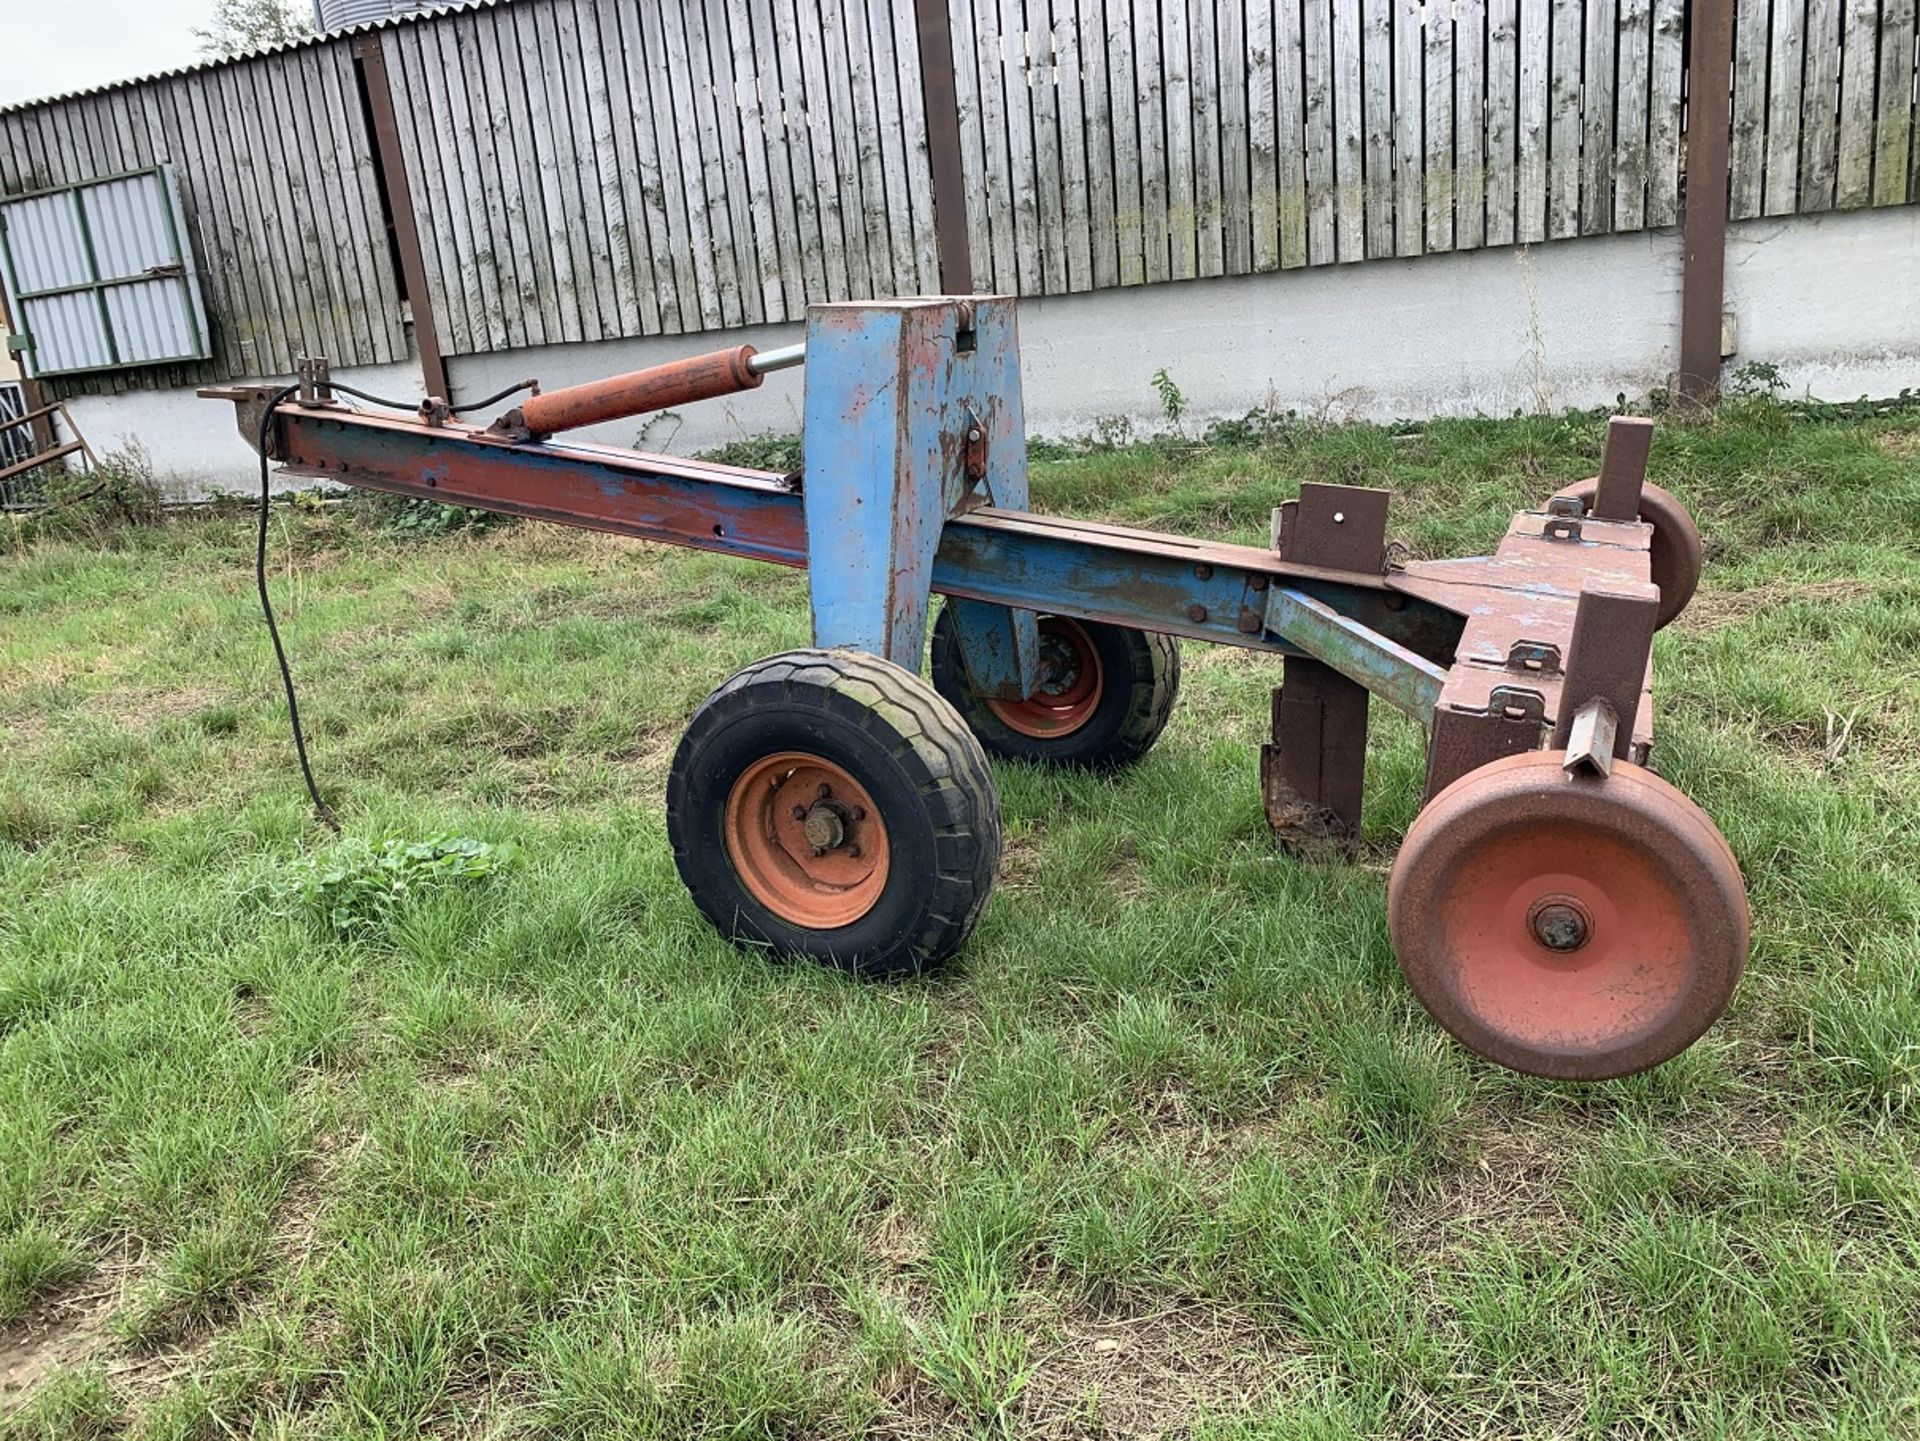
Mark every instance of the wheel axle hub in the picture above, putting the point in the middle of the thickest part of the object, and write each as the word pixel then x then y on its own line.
pixel 1560 923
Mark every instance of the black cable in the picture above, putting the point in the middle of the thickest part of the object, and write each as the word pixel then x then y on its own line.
pixel 492 399
pixel 471 405
pixel 320 806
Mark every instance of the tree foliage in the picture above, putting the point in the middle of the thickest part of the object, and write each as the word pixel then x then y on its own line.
pixel 242 25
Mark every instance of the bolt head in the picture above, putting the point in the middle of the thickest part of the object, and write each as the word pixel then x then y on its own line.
pixel 825 790
pixel 799 813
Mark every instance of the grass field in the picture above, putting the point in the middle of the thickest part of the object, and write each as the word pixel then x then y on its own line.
pixel 1169 1151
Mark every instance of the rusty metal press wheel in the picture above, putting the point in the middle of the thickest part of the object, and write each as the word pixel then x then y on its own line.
pixel 1677 553
pixel 829 805
pixel 1576 928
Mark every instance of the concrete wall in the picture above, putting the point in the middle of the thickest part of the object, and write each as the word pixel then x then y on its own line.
pixel 1832 300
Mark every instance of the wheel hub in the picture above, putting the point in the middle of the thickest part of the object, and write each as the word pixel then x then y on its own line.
pixel 806 840
pixel 1069 689
pixel 1560 923
pixel 826 827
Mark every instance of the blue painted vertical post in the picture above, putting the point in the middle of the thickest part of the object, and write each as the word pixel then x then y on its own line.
pixel 895 390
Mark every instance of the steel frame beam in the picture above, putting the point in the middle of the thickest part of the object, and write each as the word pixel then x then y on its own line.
pixel 1204 590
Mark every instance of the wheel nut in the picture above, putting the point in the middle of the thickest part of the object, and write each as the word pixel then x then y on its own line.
pixel 825 790
pixel 1560 926
pixel 859 813
pixel 799 813
pixel 854 851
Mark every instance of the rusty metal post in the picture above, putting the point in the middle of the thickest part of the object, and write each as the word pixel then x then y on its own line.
pixel 1623 469
pixel 1612 643
pixel 1313 773
pixel 942 106
pixel 1708 138
pixel 398 195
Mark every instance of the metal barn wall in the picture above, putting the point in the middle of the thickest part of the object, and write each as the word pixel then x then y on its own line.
pixel 591 169
pixel 283 216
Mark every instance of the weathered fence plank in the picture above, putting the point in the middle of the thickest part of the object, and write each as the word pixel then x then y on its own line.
pixel 1438 187
pixel 1634 54
pixel 1377 107
pixel 1290 137
pixel 1469 198
pixel 1820 102
pixel 1350 155
pixel 1893 136
pixel 1598 99
pixel 1408 142
pixel 1859 77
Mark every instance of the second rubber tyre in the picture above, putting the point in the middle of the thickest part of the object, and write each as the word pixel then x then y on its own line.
pixel 1106 694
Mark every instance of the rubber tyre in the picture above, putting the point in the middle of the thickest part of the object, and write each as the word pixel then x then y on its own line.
pixel 1664 907
pixel 1676 555
pixel 910 752
pixel 1140 673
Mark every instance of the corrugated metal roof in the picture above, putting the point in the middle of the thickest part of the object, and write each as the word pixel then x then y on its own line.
pixel 453 7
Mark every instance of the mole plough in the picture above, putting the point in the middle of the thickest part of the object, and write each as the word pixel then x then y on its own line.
pixel 1557 906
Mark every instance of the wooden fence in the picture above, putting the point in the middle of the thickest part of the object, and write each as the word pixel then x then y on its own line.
pixel 586 169
pixel 1119 142
pixel 579 170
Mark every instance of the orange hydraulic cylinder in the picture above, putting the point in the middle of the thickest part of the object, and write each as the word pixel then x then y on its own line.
pixel 659 387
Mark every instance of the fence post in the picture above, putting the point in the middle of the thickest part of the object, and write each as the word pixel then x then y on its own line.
pixel 398 195
pixel 1708 135
pixel 942 106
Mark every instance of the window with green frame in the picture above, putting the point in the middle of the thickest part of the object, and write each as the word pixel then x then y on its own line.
pixel 97 276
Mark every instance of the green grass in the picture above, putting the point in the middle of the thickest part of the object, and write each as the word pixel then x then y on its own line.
pixel 526 1151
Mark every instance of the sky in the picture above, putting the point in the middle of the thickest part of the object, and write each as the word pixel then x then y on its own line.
pixel 48 47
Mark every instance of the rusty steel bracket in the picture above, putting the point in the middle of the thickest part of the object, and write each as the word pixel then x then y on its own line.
pixel 1342 527
pixel 1538 656
pixel 316 381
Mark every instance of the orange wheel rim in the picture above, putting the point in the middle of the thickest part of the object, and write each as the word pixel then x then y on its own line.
pixel 806 840
pixel 1568 940
pixel 1568 928
pixel 1071 684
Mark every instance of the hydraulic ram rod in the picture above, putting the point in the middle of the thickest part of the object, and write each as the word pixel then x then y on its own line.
pixel 641 392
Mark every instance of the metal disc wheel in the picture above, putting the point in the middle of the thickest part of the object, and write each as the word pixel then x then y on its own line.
pixel 1676 553
pixel 1106 693
pixel 1579 929
pixel 829 805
